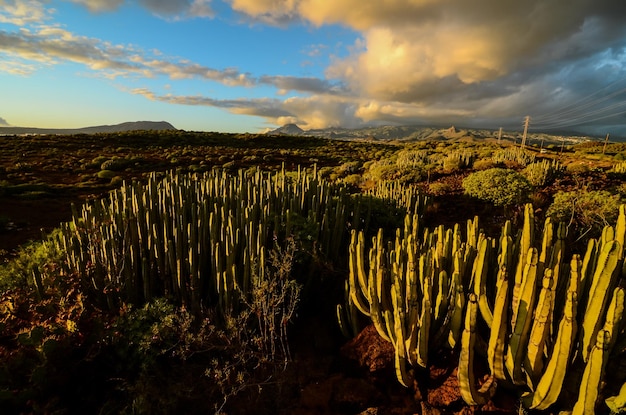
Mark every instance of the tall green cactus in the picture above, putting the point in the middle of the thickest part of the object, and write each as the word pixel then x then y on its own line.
pixel 549 386
pixel 603 281
pixel 598 356
pixel 471 393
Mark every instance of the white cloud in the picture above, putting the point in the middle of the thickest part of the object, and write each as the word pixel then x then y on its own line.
pixel 3 122
pixel 431 59
pixel 99 6
pixel 167 9
pixel 23 12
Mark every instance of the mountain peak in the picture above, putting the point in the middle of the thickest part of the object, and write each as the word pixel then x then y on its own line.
pixel 287 129
pixel 117 128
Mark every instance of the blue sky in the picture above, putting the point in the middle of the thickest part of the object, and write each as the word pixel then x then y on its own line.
pixel 253 65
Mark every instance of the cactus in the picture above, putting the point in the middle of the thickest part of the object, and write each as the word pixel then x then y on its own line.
pixel 598 356
pixel 524 313
pixel 479 283
pixel 540 331
pixel 617 403
pixel 549 386
pixel 499 325
pixel 458 308
pixel 602 282
pixel 470 393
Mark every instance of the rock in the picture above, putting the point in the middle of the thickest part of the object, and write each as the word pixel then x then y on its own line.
pixel 370 351
pixel 447 393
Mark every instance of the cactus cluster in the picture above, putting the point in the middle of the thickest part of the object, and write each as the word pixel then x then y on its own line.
pixel 514 154
pixel 458 159
pixel 202 240
pixel 540 317
pixel 199 239
pixel 543 172
pixel 619 168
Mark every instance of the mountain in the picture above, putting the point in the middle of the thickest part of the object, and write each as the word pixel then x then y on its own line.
pixel 416 133
pixel 117 128
pixel 287 129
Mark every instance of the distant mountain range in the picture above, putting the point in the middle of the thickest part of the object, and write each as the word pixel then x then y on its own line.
pixel 415 133
pixel 126 126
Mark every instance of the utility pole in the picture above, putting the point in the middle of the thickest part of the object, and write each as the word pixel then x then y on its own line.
pixel 499 135
pixel 526 124
pixel 606 140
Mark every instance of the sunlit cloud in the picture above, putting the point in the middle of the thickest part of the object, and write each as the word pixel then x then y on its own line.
pixel 100 5
pixel 23 12
pixel 167 9
pixel 412 61
pixel 53 45
pixel 437 58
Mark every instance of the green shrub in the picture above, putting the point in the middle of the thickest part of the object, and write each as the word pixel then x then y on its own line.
pixel 353 180
pixel 484 164
pixel 386 170
pixel 439 188
pixel 117 181
pixel 591 209
pixel 115 164
pixel 577 168
pixel 502 187
pixel 106 174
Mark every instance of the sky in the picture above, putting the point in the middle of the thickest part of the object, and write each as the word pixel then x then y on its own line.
pixel 254 65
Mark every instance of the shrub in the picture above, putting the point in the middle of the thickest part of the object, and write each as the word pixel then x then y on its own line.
pixel 115 164
pixel 577 168
pixel 591 209
pixel 501 187
pixel 106 174
pixel 484 164
pixel 385 170
pixel 439 188
pixel 353 180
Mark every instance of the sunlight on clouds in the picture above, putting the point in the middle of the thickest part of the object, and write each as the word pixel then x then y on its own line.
pixel 23 12
pixel 201 8
pixel 176 9
pixel 14 65
pixel 100 5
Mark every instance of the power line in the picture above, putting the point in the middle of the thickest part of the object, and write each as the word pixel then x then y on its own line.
pixel 585 110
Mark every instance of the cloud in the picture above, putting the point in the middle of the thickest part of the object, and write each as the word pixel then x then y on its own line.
pixel 414 61
pixel 23 12
pixel 302 84
pixel 431 59
pixel 3 122
pixel 167 9
pixel 179 8
pixel 99 6
pixel 27 50
pixel 51 45
pixel 317 111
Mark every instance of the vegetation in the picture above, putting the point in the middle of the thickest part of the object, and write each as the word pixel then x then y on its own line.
pixel 190 264
pixel 502 187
